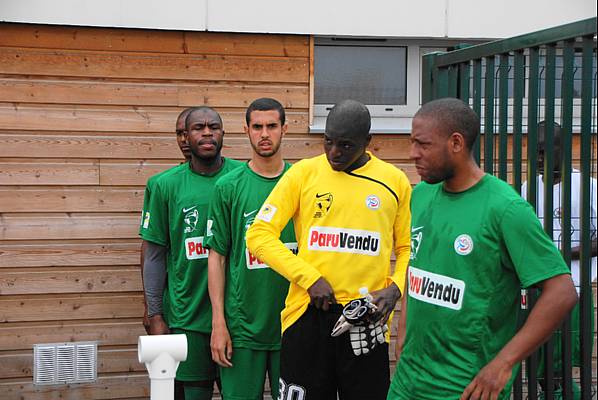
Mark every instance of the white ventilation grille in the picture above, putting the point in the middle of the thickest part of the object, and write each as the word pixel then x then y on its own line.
pixel 60 363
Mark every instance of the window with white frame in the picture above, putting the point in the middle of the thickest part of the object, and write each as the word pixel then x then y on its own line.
pixel 382 73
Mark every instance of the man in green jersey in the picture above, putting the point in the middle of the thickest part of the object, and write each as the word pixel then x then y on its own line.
pixel 184 147
pixel 475 242
pixel 247 296
pixel 175 251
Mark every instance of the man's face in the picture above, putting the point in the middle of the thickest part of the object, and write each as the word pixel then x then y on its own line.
pixel 343 149
pixel 556 155
pixel 204 134
pixel 265 132
pixel 180 138
pixel 430 151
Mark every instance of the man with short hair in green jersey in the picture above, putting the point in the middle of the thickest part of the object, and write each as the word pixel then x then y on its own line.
pixel 246 295
pixel 184 147
pixel 475 243
pixel 175 250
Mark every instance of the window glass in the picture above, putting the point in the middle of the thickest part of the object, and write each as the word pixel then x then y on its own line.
pixel 373 75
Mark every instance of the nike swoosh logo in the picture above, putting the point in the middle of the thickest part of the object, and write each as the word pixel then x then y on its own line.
pixel 415 229
pixel 188 209
pixel 245 215
pixel 318 195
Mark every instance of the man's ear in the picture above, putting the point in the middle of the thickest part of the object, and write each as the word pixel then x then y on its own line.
pixel 457 142
pixel 284 129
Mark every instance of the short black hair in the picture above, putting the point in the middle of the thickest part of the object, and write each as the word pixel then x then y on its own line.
pixel 183 116
pixel 201 108
pixel 453 115
pixel 542 132
pixel 351 117
pixel 265 104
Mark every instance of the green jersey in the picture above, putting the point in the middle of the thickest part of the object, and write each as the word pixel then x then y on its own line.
pixel 176 218
pixel 471 252
pixel 254 294
pixel 149 187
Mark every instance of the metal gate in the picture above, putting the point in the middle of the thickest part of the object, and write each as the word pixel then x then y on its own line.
pixel 543 81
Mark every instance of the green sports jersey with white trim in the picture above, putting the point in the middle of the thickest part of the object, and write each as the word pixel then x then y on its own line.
pixel 177 219
pixel 254 293
pixel 472 252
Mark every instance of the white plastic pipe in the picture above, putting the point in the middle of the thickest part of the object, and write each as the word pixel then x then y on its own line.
pixel 162 355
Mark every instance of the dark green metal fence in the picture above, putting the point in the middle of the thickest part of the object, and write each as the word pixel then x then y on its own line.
pixel 546 77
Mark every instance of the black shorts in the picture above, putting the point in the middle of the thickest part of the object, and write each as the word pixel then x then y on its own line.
pixel 317 366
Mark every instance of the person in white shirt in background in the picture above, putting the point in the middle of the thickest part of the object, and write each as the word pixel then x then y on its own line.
pixel 557 238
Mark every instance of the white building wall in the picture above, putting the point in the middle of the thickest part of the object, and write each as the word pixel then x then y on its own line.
pixel 388 18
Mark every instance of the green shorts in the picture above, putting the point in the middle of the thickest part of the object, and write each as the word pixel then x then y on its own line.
pixel 199 365
pixel 245 379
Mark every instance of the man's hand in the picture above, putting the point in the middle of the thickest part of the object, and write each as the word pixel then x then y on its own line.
pixel 221 345
pixel 385 301
pixel 321 294
pixel 489 382
pixel 157 325
pixel 146 321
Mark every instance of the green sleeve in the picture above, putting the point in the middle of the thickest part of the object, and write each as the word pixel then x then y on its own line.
pixel 531 253
pixel 218 232
pixel 155 225
pixel 149 186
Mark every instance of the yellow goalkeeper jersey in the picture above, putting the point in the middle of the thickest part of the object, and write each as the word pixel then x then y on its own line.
pixel 346 224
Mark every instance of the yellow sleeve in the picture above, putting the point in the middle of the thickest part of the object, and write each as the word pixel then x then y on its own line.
pixel 263 235
pixel 402 233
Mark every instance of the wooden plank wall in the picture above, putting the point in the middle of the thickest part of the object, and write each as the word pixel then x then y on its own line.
pixel 86 116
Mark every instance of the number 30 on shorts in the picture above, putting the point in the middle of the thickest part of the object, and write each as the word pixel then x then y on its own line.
pixel 290 391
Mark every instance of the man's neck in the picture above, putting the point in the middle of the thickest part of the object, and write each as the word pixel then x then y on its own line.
pixel 206 167
pixel 268 167
pixel 465 177
pixel 361 161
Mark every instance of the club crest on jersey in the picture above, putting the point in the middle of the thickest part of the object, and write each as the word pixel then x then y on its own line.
pixel 194 248
pixel 416 240
pixel 342 240
pixel 266 212
pixel 253 262
pixel 322 204
pixel 191 218
pixel 463 244
pixel 436 289
pixel 372 202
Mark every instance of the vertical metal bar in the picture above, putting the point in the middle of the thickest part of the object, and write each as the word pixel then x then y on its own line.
pixel 503 114
pixel 518 93
pixel 585 251
pixel 428 67
pixel 532 145
pixel 464 79
pixel 442 83
pixel 477 101
pixel 489 116
pixel 453 80
pixel 548 175
pixel 532 125
pixel 565 140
